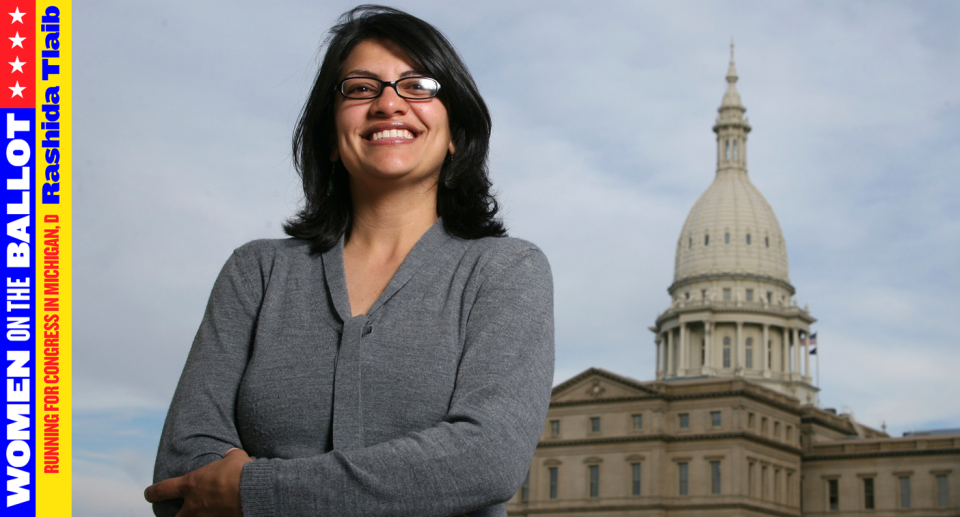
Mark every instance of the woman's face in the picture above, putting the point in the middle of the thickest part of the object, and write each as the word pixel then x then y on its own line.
pixel 423 130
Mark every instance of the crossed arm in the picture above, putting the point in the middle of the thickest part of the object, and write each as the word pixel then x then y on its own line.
pixel 212 490
pixel 476 457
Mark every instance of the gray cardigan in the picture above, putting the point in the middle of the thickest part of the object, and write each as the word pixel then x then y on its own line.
pixel 431 404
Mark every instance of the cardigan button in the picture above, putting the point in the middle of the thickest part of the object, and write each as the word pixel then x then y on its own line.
pixel 366 330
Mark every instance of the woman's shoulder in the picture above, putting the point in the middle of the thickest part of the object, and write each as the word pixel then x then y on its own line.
pixel 495 247
pixel 264 254
pixel 287 246
pixel 494 255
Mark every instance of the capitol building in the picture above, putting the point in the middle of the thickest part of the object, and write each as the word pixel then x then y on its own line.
pixel 731 425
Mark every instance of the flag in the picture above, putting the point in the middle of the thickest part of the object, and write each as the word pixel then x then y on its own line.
pixel 813 344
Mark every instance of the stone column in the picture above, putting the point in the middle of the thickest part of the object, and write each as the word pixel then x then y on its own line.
pixel 765 351
pixel 684 361
pixel 707 347
pixel 796 350
pixel 662 349
pixel 659 363
pixel 806 354
pixel 669 355
pixel 784 355
pixel 738 349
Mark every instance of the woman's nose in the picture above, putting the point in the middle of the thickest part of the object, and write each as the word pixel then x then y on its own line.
pixel 389 103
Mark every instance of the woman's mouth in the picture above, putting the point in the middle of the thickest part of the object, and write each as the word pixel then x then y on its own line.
pixel 392 133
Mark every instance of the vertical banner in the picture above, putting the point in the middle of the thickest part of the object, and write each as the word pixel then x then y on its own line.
pixel 35 100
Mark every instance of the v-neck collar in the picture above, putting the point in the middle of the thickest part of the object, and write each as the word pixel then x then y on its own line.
pixel 336 278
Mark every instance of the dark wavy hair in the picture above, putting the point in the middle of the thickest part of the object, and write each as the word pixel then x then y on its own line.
pixel 464 201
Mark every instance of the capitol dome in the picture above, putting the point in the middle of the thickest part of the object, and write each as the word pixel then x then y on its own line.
pixel 731 229
pixel 732 311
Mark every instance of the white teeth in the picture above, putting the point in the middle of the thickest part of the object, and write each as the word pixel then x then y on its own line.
pixel 392 133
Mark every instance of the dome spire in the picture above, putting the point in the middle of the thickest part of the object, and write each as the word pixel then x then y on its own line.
pixel 731 127
pixel 732 97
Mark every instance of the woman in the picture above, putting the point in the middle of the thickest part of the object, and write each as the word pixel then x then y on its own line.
pixel 393 358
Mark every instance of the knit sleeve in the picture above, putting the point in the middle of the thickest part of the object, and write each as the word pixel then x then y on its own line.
pixel 200 427
pixel 477 456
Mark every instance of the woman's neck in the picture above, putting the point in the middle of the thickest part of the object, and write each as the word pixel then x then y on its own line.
pixel 385 228
pixel 392 221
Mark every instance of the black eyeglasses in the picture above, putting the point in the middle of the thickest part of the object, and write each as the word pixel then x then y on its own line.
pixel 371 88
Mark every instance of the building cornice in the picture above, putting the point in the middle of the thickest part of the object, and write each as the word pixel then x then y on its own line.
pixel 730 276
pixel 606 400
pixel 662 437
pixel 669 397
pixel 814 456
pixel 591 509
pixel 844 427
pixel 715 307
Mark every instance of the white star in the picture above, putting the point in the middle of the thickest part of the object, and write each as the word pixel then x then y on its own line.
pixel 17 90
pixel 17 65
pixel 17 15
pixel 17 40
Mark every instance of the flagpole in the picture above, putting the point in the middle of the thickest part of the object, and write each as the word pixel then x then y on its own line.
pixel 817 352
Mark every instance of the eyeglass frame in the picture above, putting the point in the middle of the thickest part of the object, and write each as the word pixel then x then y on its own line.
pixel 384 85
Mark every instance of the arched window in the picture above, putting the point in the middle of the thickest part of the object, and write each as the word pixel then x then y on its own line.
pixel 726 238
pixel 691 243
pixel 734 149
pixel 749 358
pixel 706 240
pixel 767 241
pixel 727 153
pixel 748 239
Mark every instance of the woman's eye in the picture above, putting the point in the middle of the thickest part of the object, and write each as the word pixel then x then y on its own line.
pixel 360 88
pixel 419 88
pixel 357 88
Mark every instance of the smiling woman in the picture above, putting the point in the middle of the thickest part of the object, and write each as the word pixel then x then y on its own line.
pixel 463 199
pixel 395 356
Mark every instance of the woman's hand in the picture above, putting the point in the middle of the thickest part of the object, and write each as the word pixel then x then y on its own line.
pixel 210 491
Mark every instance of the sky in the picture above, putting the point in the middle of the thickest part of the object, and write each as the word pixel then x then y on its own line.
pixel 601 144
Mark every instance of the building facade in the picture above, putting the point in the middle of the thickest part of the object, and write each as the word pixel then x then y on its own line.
pixel 731 424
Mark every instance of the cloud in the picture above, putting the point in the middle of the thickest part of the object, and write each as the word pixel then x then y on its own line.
pixel 113 458
pixel 107 493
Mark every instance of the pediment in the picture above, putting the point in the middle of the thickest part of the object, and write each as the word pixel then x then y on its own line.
pixel 596 384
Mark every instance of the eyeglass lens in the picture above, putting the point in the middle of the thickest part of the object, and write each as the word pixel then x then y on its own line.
pixel 410 88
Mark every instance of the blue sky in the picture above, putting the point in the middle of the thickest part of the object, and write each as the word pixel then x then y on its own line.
pixel 602 143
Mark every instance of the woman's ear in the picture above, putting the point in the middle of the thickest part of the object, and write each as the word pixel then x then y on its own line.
pixel 452 149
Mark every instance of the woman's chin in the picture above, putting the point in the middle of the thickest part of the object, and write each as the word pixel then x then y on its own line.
pixel 397 173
